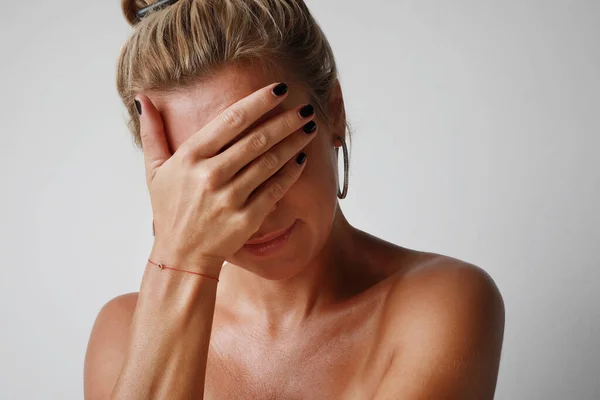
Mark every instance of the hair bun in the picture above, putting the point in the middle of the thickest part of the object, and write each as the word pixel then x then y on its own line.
pixel 130 7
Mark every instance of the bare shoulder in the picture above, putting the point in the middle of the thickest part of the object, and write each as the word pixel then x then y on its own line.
pixel 442 289
pixel 449 283
pixel 444 320
pixel 107 346
pixel 426 291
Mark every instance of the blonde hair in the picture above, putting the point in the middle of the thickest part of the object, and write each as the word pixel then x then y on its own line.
pixel 172 47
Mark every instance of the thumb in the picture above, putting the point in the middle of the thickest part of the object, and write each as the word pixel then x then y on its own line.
pixel 152 133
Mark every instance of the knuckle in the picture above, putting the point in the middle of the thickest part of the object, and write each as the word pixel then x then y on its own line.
pixel 276 190
pixel 234 117
pixel 290 177
pixel 186 155
pixel 290 123
pixel 227 199
pixel 144 134
pixel 258 141
pixel 245 221
pixel 269 161
pixel 210 177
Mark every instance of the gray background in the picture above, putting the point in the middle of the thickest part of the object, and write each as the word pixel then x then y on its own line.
pixel 476 136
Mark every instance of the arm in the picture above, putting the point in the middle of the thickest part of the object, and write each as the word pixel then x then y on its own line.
pixel 170 333
pixel 156 347
pixel 451 320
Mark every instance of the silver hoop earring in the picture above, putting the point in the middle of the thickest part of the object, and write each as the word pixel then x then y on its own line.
pixel 344 192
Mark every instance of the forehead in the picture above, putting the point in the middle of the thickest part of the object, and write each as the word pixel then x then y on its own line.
pixel 187 110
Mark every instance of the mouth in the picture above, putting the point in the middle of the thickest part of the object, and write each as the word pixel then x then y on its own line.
pixel 265 239
pixel 270 245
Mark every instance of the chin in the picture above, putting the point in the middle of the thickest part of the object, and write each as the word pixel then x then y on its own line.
pixel 276 269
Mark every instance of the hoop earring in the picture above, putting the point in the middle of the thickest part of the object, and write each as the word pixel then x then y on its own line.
pixel 342 195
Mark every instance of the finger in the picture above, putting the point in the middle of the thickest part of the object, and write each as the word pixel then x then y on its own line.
pixel 262 200
pixel 152 132
pixel 263 167
pixel 258 143
pixel 232 121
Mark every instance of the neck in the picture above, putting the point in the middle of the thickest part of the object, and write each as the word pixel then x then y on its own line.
pixel 286 304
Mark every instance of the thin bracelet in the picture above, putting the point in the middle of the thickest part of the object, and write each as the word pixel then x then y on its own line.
pixel 162 266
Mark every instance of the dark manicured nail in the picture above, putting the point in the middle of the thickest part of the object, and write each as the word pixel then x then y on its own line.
pixel 138 106
pixel 306 111
pixel 280 89
pixel 309 127
pixel 301 158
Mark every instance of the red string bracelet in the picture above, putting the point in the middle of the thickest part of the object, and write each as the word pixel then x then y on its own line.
pixel 162 266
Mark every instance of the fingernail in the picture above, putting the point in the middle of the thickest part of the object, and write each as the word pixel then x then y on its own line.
pixel 280 89
pixel 306 111
pixel 310 127
pixel 138 106
pixel 301 158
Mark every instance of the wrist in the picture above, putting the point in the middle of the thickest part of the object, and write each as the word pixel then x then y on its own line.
pixel 171 290
pixel 171 256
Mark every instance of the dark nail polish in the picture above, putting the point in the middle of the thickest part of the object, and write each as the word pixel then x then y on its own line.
pixel 280 89
pixel 306 111
pixel 310 127
pixel 138 106
pixel 301 158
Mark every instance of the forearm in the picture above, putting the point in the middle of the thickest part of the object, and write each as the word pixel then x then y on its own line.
pixel 170 332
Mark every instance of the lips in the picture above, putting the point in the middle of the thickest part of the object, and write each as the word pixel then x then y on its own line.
pixel 269 237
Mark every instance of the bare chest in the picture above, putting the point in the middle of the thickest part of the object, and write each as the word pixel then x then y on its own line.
pixel 340 361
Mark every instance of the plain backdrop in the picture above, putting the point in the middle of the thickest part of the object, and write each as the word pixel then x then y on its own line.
pixel 476 135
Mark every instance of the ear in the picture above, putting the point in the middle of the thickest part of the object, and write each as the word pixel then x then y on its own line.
pixel 338 112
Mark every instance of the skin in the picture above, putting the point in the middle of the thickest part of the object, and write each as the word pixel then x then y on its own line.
pixel 336 314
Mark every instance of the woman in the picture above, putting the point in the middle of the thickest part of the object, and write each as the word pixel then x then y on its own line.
pixel 257 287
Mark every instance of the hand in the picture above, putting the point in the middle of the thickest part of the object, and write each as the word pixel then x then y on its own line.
pixel 201 205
